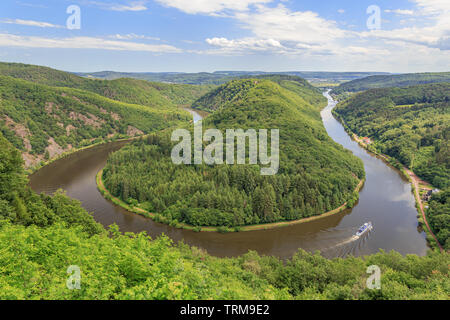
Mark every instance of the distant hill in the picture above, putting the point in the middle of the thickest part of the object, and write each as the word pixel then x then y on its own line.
pixel 236 88
pixel 411 124
pixel 44 121
pixel 382 81
pixel 45 112
pixel 126 90
pixel 221 77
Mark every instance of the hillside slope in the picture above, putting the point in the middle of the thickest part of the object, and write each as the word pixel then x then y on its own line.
pixel 44 121
pixel 237 88
pixel 40 236
pixel 315 174
pixel 221 77
pixel 410 124
pixel 383 81
pixel 153 94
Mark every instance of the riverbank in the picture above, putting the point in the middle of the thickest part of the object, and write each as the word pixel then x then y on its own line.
pixel 395 221
pixel 420 207
pixel 201 113
pixel 105 192
pixel 31 170
pixel 407 174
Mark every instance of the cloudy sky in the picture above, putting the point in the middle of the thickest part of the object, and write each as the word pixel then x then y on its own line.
pixel 210 35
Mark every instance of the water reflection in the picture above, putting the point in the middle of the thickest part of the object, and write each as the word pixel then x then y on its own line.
pixel 385 200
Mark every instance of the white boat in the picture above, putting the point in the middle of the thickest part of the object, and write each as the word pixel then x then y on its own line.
pixel 364 228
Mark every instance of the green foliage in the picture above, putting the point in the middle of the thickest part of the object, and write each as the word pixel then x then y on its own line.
pixel 152 94
pixel 52 233
pixel 316 175
pixel 410 124
pixel 352 201
pixel 383 81
pixel 438 215
pixel 300 86
pixel 12 179
pixel 236 89
pixel 50 111
pixel 34 262
pixel 38 113
pixel 19 205
pixel 221 77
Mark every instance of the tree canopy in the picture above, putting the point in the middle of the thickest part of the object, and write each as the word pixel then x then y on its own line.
pixel 316 174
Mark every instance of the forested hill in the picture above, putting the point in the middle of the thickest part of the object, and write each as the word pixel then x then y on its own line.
pixel 221 77
pixel 161 95
pixel 235 89
pixel 410 124
pixel 44 121
pixel 316 174
pixel 40 236
pixel 312 95
pixel 383 81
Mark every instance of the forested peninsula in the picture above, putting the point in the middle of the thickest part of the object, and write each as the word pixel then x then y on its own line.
pixel 316 174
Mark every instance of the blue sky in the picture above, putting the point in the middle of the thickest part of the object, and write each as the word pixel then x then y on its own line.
pixel 209 35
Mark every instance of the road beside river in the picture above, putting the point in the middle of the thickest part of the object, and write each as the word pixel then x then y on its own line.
pixel 385 199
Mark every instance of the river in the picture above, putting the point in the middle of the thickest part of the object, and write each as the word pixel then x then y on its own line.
pixel 385 199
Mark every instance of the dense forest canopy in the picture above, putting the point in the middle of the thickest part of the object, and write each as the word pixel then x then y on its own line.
pixel 399 80
pixel 218 97
pixel 316 174
pixel 438 215
pixel 412 125
pixel 153 94
pixel 41 236
pixel 20 205
pixel 44 121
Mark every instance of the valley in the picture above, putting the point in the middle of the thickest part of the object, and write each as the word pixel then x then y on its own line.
pixel 377 203
pixel 282 247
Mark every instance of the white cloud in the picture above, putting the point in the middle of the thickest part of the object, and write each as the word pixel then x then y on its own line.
pixel 33 5
pixel 291 28
pixel 400 12
pixel 9 40
pixel 433 7
pixel 244 45
pixel 210 6
pixel 435 32
pixel 133 6
pixel 139 5
pixel 422 41
pixel 282 31
pixel 306 36
pixel 131 36
pixel 31 23
pixel 282 24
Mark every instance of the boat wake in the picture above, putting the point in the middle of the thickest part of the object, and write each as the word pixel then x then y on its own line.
pixel 350 244
pixel 343 242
